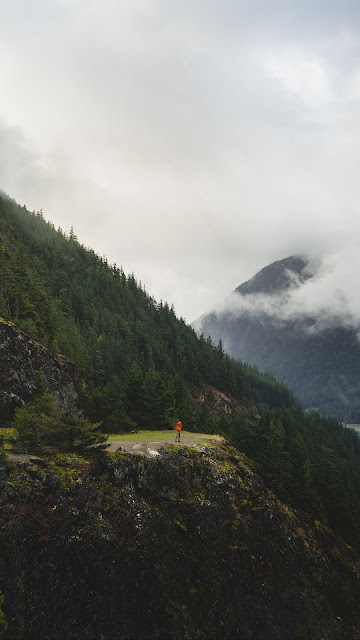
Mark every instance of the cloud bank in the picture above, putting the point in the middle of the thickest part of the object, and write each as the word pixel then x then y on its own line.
pixel 327 297
pixel 193 143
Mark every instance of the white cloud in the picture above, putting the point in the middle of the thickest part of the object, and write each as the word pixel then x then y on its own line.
pixel 327 296
pixel 307 79
pixel 192 142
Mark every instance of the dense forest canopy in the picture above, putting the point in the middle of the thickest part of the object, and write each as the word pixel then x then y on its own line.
pixel 121 339
pixel 142 367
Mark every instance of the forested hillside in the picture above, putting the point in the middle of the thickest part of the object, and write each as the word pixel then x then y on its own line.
pixel 136 358
pixel 140 366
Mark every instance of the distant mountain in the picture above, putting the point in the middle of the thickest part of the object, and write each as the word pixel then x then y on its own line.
pixel 276 277
pixel 322 367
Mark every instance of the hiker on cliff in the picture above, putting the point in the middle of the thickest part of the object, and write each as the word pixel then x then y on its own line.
pixel 178 431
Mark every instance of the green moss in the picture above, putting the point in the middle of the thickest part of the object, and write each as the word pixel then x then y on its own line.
pixel 3 622
pixel 227 468
pixel 335 552
pixel 180 524
pixel 7 322
pixel 242 484
pixel 19 481
pixel 237 548
pixel 69 468
pixel 197 496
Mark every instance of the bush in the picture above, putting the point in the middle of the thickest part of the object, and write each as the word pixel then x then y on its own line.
pixel 48 423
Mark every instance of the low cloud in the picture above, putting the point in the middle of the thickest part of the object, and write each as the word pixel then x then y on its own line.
pixel 329 297
pixel 193 143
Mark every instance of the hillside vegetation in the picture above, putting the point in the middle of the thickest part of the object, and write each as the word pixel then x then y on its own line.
pixel 142 367
pixel 137 359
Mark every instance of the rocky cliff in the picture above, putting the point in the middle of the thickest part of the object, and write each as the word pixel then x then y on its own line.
pixel 188 545
pixel 222 404
pixel 21 360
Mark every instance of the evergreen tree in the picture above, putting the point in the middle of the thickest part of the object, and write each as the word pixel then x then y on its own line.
pixel 47 423
pixel 300 474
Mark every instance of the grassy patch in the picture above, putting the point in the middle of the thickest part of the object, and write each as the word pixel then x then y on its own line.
pixel 160 436
pixel 69 468
pixel 7 431
pixel 8 434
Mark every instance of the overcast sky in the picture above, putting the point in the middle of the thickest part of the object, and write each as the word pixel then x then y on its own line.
pixel 190 142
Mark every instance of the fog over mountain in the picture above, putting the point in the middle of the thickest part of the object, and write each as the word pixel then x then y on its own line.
pixel 299 318
pixel 325 290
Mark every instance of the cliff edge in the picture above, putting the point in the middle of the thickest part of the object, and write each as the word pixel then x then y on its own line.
pixel 189 544
pixel 21 360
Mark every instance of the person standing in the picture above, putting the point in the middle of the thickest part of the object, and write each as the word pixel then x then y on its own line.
pixel 178 431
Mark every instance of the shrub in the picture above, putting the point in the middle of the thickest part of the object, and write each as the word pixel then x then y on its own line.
pixel 47 422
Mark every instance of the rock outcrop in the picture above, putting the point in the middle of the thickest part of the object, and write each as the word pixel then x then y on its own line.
pixel 222 404
pixel 188 545
pixel 21 360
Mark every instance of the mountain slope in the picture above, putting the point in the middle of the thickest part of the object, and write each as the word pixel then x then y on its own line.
pixel 321 366
pixel 128 348
pixel 141 366
pixel 190 543
pixel 22 359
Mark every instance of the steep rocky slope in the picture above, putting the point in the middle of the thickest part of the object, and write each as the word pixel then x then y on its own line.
pixel 221 404
pixel 21 360
pixel 187 545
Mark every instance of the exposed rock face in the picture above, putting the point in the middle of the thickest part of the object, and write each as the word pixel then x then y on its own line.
pixel 187 545
pixel 221 404
pixel 21 359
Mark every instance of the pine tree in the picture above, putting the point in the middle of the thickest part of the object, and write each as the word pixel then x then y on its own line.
pixel 300 475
